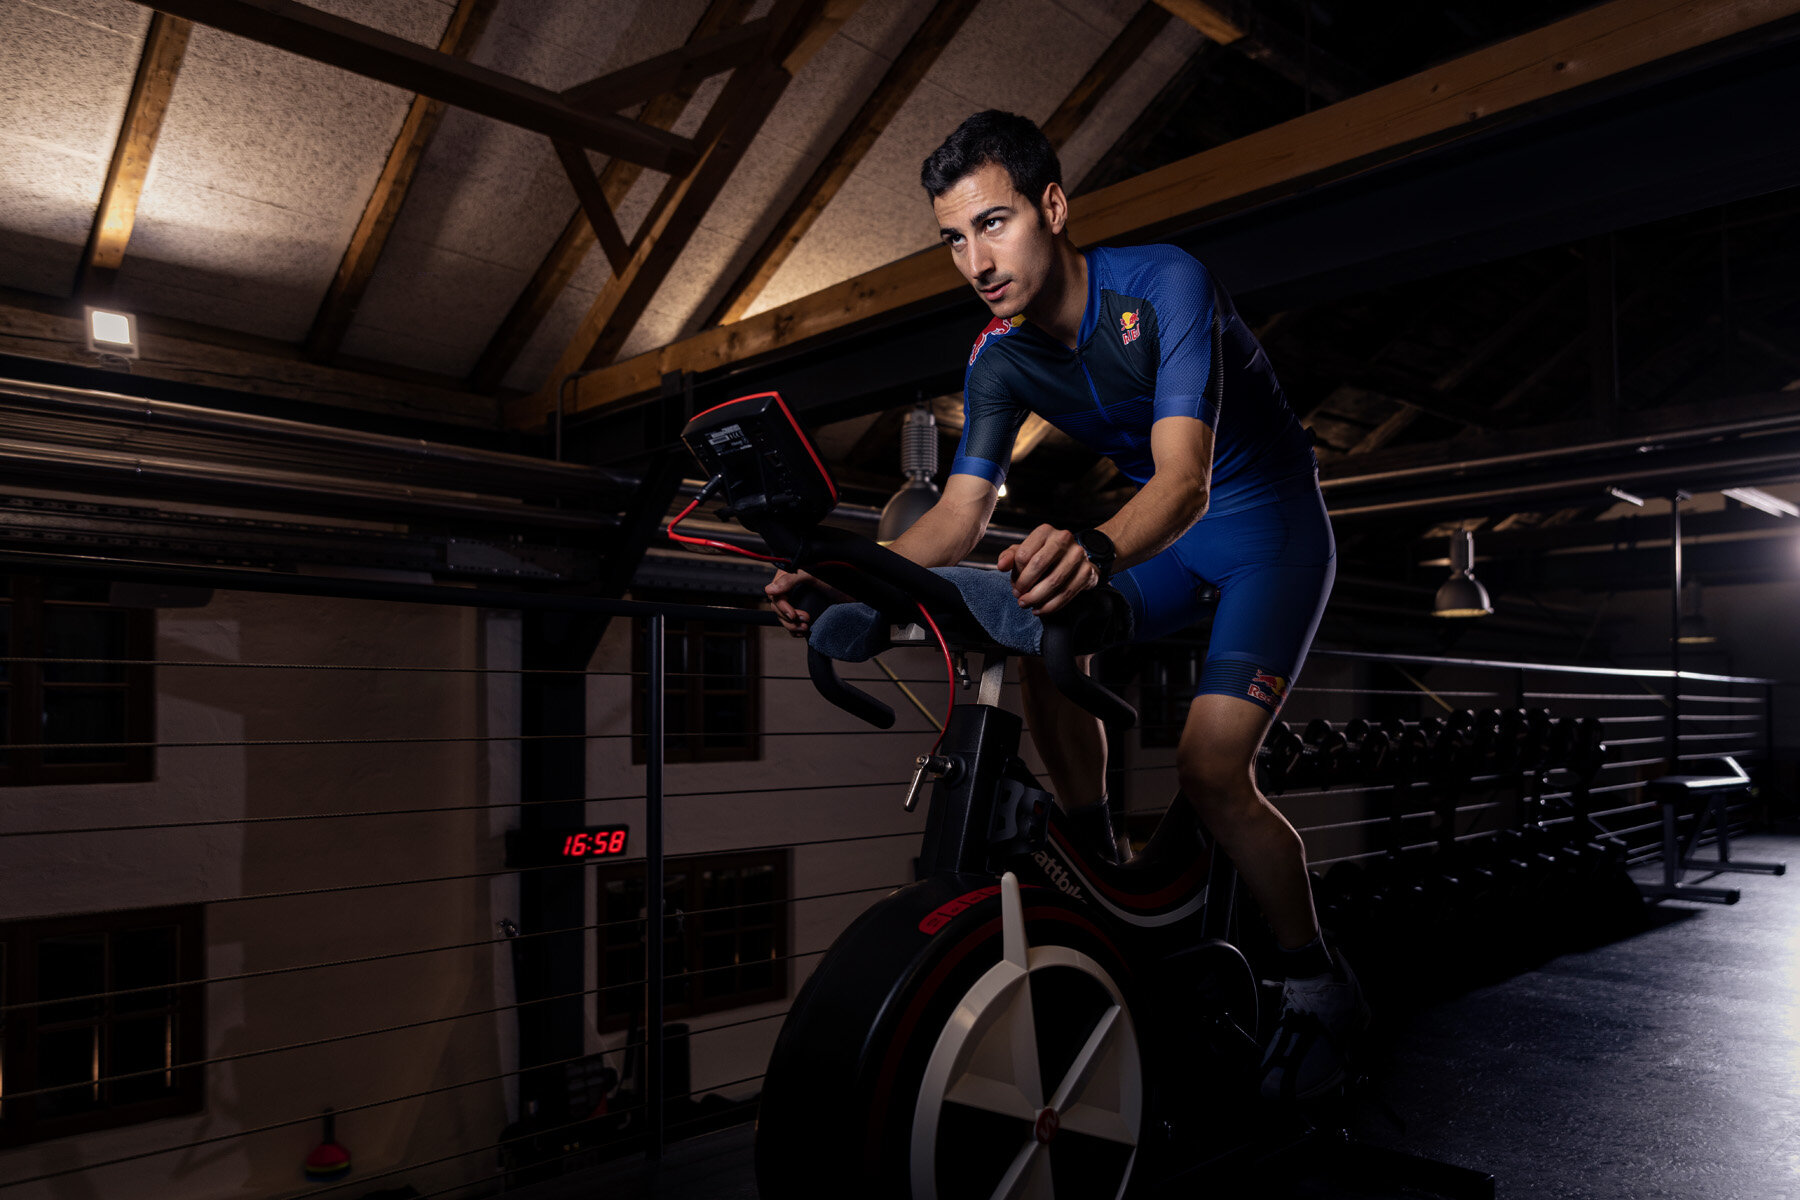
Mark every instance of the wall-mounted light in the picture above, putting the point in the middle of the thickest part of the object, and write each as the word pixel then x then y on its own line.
pixel 112 332
pixel 1758 499
pixel 1619 493
pixel 1462 594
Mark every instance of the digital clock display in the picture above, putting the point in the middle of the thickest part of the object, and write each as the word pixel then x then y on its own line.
pixel 551 847
pixel 596 843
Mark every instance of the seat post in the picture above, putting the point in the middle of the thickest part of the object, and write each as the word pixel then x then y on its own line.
pixel 993 679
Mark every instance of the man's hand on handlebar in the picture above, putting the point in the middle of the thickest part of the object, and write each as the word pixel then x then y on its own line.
pixel 1049 569
pixel 795 620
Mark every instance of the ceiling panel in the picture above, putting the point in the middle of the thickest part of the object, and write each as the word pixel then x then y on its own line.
pixel 490 199
pixel 265 163
pixel 65 75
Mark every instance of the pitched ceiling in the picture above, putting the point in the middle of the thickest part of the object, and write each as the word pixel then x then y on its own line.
pixel 266 161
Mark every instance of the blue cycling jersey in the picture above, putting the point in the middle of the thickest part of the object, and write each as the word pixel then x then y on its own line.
pixel 1158 338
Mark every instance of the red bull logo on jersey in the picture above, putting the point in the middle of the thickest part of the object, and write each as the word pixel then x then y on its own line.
pixel 999 327
pixel 1268 688
pixel 1129 328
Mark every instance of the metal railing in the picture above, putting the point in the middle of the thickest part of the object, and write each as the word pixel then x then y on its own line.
pixel 1652 719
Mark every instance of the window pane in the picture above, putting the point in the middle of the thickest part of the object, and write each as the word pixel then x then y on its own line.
pixel 141 1044
pixel 727 655
pixel 622 945
pixel 678 927
pixel 71 966
pixel 80 591
pixel 718 889
pixel 144 958
pixel 718 950
pixel 76 715
pixel 727 720
pixel 68 1056
pixel 71 632
pixel 758 883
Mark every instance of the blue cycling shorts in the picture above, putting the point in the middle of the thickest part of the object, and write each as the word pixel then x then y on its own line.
pixel 1273 566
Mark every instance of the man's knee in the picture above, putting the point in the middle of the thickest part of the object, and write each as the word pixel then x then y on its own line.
pixel 1215 783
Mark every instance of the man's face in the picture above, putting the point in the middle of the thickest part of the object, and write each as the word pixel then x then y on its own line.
pixel 999 239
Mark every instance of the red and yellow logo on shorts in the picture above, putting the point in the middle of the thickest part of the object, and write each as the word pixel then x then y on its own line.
pixel 1268 688
pixel 1128 327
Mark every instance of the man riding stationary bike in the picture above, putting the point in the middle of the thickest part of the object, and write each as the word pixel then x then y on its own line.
pixel 1139 355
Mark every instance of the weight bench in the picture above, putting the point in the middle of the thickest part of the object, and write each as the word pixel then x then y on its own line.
pixel 1709 794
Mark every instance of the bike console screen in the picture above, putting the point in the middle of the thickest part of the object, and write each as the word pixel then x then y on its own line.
pixel 766 464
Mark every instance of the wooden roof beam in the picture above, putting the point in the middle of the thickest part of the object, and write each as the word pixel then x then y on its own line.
pixel 903 75
pixel 467 23
pixel 683 68
pixel 165 45
pixel 908 69
pixel 730 126
pixel 1119 59
pixel 1237 25
pixel 33 326
pixel 1130 145
pixel 571 246
pixel 300 29
pixel 1432 107
pixel 594 204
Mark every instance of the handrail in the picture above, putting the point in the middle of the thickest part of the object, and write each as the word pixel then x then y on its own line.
pixel 1568 669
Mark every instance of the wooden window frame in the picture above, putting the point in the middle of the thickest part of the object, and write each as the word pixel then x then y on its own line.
pixel 19 1124
pixel 617 1006
pixel 691 747
pixel 23 607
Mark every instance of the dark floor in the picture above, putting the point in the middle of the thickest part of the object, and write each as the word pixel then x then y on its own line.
pixel 1667 1064
pixel 1664 1065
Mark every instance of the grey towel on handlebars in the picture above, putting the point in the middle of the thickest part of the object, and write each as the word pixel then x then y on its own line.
pixel 855 632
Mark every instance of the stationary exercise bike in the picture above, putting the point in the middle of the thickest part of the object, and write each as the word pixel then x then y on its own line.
pixel 1028 1019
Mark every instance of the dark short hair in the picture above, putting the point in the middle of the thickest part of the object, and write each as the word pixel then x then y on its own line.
pixel 1002 138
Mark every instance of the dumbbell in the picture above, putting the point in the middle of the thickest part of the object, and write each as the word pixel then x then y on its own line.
pixel 1280 752
pixel 1370 755
pixel 1509 746
pixel 1589 751
pixel 1563 737
pixel 1536 739
pixel 1321 751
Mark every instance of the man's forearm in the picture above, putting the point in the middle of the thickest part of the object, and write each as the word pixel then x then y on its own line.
pixel 939 538
pixel 1151 521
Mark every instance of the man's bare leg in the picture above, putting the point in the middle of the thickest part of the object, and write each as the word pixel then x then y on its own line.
pixel 1216 766
pixel 1071 740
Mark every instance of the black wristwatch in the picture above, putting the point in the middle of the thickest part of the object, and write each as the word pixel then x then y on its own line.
pixel 1100 552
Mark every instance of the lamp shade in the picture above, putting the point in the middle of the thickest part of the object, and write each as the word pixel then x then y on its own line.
pixel 1462 594
pixel 909 504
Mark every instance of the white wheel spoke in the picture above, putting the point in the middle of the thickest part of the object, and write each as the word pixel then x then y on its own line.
pixel 986 1058
pixel 1097 1122
pixel 1102 1093
pixel 1098 1048
pixel 1029 1176
pixel 993 1095
pixel 1014 948
pixel 1001 1045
